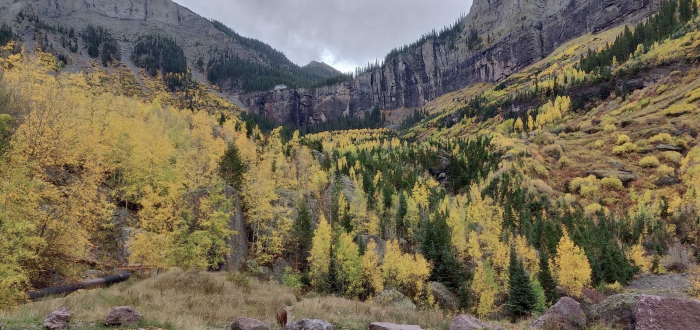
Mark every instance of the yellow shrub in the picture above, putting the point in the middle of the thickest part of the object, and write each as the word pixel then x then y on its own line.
pixel 680 109
pixel 609 128
pixel 553 150
pixel 563 162
pixel 611 183
pixel 576 184
pixel 593 209
pixel 673 157
pixel 665 170
pixel 626 148
pixel 614 288
pixel 661 137
pixel 693 96
pixel 541 170
pixel 622 139
pixel 599 144
pixel 589 191
pixel 649 162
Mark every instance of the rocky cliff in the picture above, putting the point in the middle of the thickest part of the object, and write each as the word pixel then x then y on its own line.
pixel 515 34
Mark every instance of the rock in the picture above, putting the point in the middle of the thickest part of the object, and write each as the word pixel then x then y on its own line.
pixel 309 324
pixel 615 164
pixel 276 272
pixel 624 175
pixel 123 315
pixel 467 322
pixel 243 323
pixel 667 181
pixel 392 326
pixel 616 311
pixel 669 147
pixel 391 297
pixel 58 320
pixel 654 313
pixel 364 239
pixel 565 315
pixel 443 296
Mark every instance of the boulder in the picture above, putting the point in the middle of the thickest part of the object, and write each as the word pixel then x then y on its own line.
pixel 565 315
pixel 364 239
pixel 123 315
pixel 467 322
pixel 616 311
pixel 669 147
pixel 624 175
pixel 443 296
pixel 392 326
pixel 309 324
pixel 243 323
pixel 391 297
pixel 58 320
pixel 667 181
pixel 654 312
pixel 276 272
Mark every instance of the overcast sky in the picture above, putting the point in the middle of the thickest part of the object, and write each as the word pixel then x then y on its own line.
pixel 342 33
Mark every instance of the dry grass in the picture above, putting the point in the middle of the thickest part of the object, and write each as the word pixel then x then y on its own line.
pixel 197 300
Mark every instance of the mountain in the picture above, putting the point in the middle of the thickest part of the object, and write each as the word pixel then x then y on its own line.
pixel 219 55
pixel 321 69
pixel 495 40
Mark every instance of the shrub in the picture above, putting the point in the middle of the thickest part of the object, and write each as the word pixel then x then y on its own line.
pixel 609 128
pixel 626 148
pixel 673 157
pixel 599 144
pixel 593 209
pixel 680 109
pixel 553 150
pixel 661 137
pixel 611 184
pixel 649 162
pixel 589 191
pixel 622 139
pixel 665 170
pixel 563 162
pixel 576 184
pixel 541 170
pixel 292 279
pixel 680 142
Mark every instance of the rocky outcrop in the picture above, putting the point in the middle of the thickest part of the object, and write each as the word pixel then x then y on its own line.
pixel 515 34
pixel 309 324
pixel 618 311
pixel 58 320
pixel 443 296
pixel 654 312
pixel 243 323
pixel 123 315
pixel 392 326
pixel 565 315
pixel 624 175
pixel 391 297
pixel 467 322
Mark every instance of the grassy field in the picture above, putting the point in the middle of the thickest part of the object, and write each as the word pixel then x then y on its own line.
pixel 197 300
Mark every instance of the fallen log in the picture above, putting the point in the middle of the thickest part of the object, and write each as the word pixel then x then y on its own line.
pixel 88 284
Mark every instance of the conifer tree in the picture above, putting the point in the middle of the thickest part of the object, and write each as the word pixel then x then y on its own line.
pixel 521 296
pixel 547 281
pixel 232 168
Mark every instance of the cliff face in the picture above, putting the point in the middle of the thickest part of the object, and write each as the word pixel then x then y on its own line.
pixel 517 33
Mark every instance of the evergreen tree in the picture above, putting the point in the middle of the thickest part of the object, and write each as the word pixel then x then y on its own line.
pixel 547 281
pixel 232 168
pixel 303 230
pixel 521 296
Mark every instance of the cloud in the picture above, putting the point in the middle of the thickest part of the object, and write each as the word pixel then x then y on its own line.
pixel 344 33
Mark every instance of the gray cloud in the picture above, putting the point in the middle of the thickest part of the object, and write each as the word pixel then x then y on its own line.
pixel 343 33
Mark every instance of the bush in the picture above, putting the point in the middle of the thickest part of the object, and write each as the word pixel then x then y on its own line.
pixel 661 137
pixel 589 191
pixel 649 162
pixel 292 279
pixel 680 109
pixel 622 139
pixel 611 184
pixel 593 209
pixel 553 150
pixel 626 148
pixel 609 128
pixel 563 162
pixel 665 170
pixel 673 157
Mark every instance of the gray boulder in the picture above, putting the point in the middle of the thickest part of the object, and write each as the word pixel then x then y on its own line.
pixel 364 239
pixel 443 296
pixel 617 311
pixel 309 324
pixel 58 320
pixel 392 326
pixel 467 322
pixel 391 297
pixel 123 315
pixel 243 323
pixel 624 175
pixel 654 313
pixel 564 315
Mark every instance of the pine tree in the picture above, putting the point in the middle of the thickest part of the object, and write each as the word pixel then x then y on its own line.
pixel 521 296
pixel 546 281
pixel 232 168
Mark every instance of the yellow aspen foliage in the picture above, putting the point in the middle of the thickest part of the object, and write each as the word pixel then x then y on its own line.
pixel 349 263
pixel 528 255
pixel 405 272
pixel 484 288
pixel 359 212
pixel 420 195
pixel 571 268
pixel 637 256
pixel 473 249
pixel 372 280
pixel 519 126
pixel 458 226
pixel 320 254
pixel 412 217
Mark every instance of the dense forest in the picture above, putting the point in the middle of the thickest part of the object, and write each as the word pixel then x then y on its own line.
pixel 100 43
pixel 156 53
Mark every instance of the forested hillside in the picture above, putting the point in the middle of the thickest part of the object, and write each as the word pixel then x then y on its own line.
pixel 570 177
